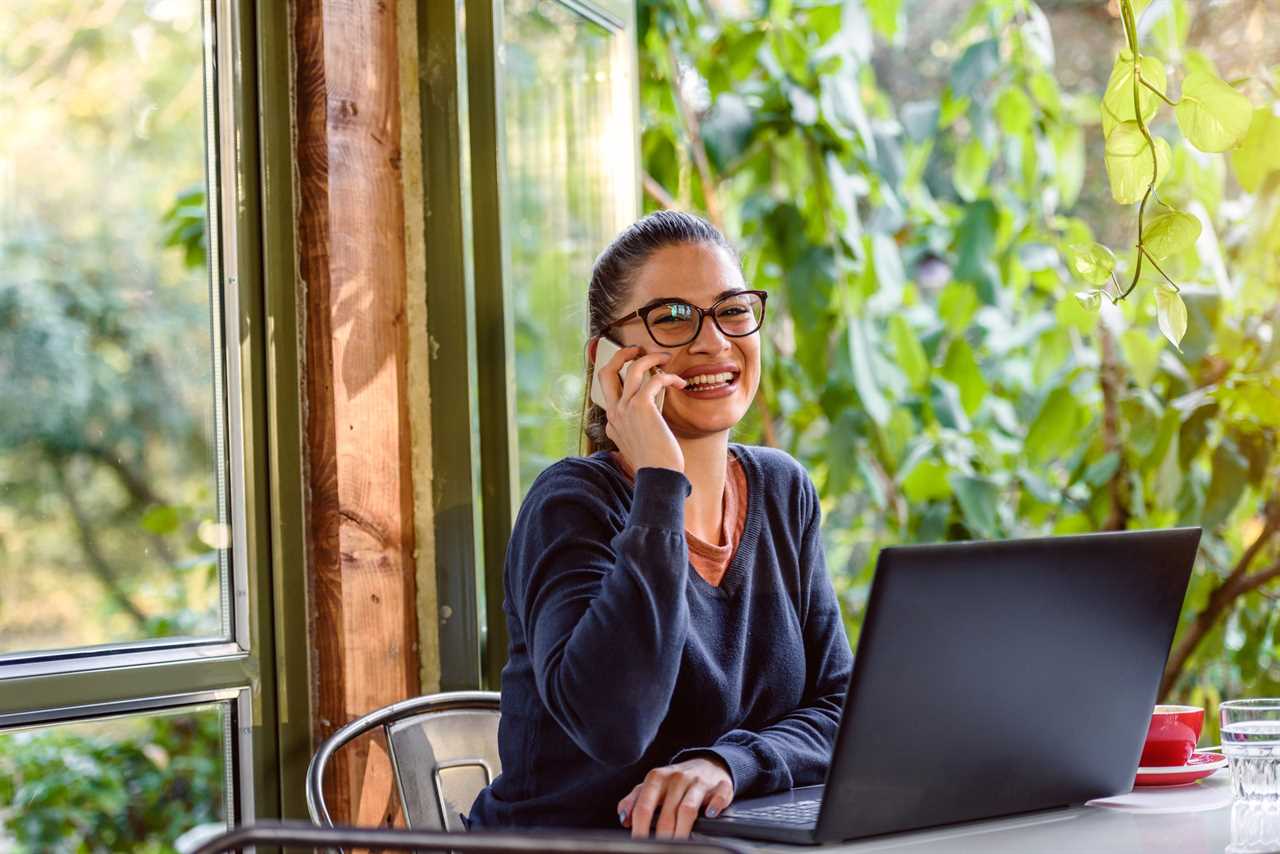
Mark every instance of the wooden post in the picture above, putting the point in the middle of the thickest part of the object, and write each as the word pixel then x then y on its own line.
pixel 351 239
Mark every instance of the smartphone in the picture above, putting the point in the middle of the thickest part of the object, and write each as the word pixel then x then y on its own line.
pixel 605 350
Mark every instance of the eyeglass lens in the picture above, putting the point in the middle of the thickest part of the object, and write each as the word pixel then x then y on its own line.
pixel 675 323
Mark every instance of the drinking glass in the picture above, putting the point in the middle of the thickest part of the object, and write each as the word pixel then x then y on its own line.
pixel 1251 742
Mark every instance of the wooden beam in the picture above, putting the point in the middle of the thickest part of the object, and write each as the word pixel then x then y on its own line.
pixel 351 241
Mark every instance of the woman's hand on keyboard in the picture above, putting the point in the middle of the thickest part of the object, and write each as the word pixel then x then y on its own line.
pixel 674 795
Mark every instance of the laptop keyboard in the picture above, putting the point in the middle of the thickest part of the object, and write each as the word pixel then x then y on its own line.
pixel 796 812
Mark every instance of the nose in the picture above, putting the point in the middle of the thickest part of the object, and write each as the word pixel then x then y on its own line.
pixel 710 339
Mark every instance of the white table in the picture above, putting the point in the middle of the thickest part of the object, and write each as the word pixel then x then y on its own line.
pixel 1084 829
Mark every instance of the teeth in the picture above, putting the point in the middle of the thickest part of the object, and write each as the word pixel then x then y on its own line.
pixel 710 379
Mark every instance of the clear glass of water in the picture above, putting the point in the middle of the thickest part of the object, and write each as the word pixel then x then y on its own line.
pixel 1251 742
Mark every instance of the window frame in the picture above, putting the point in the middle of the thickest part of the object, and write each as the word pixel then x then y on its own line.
pixel 477 493
pixel 260 668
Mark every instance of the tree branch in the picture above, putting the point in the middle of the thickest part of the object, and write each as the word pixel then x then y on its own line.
pixel 139 490
pixel 97 561
pixel 658 192
pixel 1233 586
pixel 1111 378
pixel 693 129
pixel 711 196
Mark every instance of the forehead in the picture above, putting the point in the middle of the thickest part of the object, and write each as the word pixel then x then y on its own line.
pixel 697 272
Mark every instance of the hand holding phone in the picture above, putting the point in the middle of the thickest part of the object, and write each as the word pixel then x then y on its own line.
pixel 632 403
pixel 605 350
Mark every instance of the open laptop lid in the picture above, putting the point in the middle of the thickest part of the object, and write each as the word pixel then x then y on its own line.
pixel 1000 677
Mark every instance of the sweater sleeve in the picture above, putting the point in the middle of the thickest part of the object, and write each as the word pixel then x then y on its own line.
pixel 795 749
pixel 605 615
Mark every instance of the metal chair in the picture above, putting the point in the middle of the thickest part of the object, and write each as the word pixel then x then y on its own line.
pixel 444 750
pixel 386 839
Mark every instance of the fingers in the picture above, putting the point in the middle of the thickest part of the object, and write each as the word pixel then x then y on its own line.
pixel 638 373
pixel 721 797
pixel 687 811
pixel 657 382
pixel 626 806
pixel 674 791
pixel 648 798
pixel 610 382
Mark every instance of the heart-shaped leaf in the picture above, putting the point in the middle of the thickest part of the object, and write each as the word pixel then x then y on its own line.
pixel 1090 300
pixel 1092 262
pixel 1129 166
pixel 1213 116
pixel 1170 233
pixel 1117 101
pixel 1171 312
pixel 1258 153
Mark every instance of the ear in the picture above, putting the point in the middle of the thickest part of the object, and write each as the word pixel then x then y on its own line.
pixel 592 343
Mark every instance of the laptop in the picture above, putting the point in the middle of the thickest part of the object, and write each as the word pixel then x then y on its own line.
pixel 991 678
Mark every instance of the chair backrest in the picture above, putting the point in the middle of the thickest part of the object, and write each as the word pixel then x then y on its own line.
pixel 442 760
pixel 444 749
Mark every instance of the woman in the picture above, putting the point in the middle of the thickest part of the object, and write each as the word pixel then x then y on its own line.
pixel 675 640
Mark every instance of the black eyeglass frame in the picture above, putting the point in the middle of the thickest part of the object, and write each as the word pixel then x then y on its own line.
pixel 642 314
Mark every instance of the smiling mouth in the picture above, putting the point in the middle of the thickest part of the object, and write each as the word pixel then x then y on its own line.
pixel 711 382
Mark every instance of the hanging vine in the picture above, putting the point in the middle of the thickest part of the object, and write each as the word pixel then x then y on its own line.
pixel 1212 115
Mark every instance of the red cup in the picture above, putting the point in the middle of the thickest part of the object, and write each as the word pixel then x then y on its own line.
pixel 1172 736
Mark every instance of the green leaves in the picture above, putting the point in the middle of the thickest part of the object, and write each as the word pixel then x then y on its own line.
pixel 1171 313
pixel 1259 152
pixel 1129 163
pixel 1055 429
pixel 978 499
pixel 926 481
pixel 1092 262
pixel 961 368
pixel 970 173
pixel 911 356
pixel 886 16
pixel 975 66
pixel 1117 101
pixel 1014 111
pixel 1230 476
pixel 956 305
pixel 1090 300
pixel 864 378
pixel 1170 233
pixel 1212 115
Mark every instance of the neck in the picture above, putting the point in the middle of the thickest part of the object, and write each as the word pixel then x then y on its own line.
pixel 705 460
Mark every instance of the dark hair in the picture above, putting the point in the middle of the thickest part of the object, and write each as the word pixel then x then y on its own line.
pixel 612 278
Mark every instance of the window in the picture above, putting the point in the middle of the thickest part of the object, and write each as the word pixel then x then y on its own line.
pixel 125 783
pixel 135 623
pixel 570 187
pixel 113 507
pixel 544 174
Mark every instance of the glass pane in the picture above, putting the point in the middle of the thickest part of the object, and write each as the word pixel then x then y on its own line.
pixel 111 523
pixel 126 784
pixel 570 186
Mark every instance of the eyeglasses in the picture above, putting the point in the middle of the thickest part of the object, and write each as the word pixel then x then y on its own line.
pixel 673 322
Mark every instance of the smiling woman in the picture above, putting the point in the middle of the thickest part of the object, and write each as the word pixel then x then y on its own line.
pixel 675 639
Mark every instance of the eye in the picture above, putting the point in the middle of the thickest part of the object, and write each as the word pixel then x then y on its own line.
pixel 671 313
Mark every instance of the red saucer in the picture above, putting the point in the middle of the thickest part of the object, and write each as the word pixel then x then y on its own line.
pixel 1199 766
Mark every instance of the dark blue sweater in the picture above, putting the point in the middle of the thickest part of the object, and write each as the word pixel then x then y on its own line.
pixel 623 658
